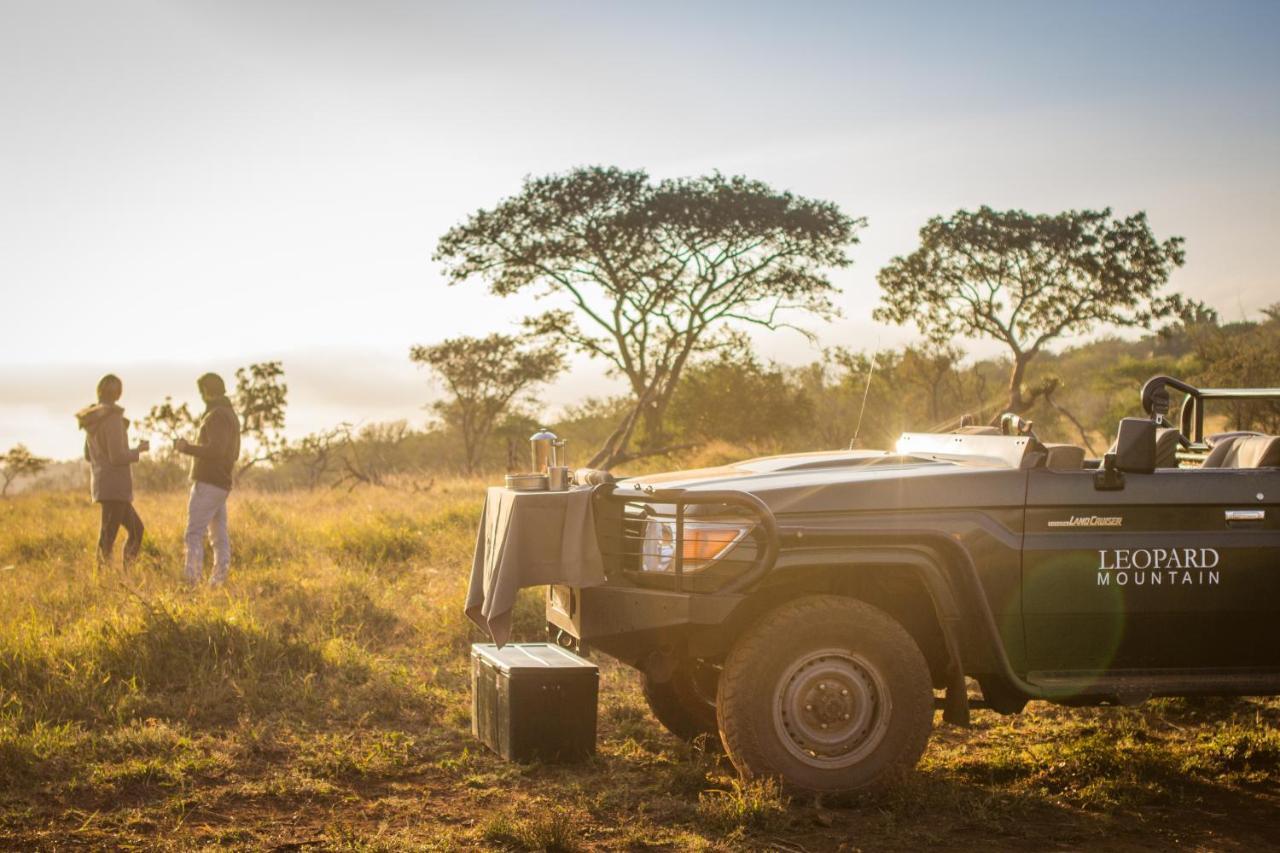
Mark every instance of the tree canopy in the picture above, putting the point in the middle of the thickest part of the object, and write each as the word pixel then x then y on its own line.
pixel 733 397
pixel 485 377
pixel 1241 354
pixel 172 422
pixel 19 462
pixel 260 398
pixel 646 275
pixel 1028 279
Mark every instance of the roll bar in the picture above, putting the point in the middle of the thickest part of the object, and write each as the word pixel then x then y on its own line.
pixel 1155 402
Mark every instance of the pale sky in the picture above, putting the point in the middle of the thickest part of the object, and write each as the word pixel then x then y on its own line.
pixel 192 186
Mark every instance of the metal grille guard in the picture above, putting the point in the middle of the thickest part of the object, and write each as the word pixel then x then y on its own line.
pixel 622 535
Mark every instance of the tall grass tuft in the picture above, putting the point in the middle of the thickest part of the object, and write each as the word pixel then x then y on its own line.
pixel 538 826
pixel 165 658
pixel 747 804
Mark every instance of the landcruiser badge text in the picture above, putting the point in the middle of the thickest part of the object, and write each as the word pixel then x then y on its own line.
pixel 1158 567
pixel 1089 521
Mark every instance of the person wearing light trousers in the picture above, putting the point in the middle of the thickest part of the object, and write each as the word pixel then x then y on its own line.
pixel 213 458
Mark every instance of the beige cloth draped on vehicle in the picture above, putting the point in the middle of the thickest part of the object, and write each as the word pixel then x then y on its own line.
pixel 530 539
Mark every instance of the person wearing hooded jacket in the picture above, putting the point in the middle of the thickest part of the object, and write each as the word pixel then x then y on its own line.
pixel 106 448
pixel 213 459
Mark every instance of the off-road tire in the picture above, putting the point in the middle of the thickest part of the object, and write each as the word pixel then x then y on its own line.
pixel 828 643
pixel 679 705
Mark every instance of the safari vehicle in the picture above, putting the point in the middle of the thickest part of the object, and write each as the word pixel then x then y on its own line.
pixel 806 608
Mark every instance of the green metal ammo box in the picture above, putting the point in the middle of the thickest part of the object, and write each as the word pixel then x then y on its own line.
pixel 534 701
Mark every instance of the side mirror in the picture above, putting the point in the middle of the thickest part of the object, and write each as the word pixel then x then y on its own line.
pixel 1136 446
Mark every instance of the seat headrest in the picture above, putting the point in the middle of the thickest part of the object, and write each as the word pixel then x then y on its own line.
pixel 1063 457
pixel 1167 445
pixel 1245 451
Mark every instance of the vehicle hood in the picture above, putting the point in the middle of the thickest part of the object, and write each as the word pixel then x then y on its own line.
pixel 851 480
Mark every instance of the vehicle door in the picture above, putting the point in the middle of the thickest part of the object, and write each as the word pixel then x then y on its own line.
pixel 1179 569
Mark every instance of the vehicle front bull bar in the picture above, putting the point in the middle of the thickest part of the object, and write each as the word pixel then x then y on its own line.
pixel 765 529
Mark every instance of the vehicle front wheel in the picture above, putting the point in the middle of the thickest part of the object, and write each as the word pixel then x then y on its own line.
pixel 685 703
pixel 829 693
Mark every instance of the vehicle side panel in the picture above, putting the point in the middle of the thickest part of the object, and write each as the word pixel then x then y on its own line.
pixel 1153 576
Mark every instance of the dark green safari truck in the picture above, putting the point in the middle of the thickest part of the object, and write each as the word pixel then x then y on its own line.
pixel 809 609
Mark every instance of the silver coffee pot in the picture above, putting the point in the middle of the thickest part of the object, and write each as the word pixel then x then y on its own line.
pixel 543 446
pixel 550 457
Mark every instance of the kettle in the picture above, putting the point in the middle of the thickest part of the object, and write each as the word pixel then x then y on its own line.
pixel 543 445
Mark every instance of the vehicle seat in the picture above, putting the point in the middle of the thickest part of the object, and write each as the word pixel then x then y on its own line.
pixel 1064 457
pixel 1218 437
pixel 1245 451
pixel 1167 445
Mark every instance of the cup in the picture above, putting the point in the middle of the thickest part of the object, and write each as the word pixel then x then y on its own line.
pixel 558 478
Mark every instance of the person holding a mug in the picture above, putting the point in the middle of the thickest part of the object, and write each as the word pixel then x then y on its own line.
pixel 213 461
pixel 106 448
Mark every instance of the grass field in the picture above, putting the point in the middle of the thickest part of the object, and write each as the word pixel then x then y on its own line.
pixel 321 701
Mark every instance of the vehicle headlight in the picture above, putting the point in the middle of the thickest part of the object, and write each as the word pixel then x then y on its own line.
pixel 704 542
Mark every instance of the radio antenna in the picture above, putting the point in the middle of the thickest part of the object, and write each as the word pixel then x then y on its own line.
pixel 866 392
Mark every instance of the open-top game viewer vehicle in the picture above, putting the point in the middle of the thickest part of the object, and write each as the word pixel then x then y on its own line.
pixel 806 608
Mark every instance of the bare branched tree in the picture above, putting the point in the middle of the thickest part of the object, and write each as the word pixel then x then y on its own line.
pixel 319 453
pixel 369 458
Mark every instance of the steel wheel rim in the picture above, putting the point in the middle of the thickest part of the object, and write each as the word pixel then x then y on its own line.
pixel 831 708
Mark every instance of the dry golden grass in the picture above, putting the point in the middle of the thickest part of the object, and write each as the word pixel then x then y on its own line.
pixel 320 701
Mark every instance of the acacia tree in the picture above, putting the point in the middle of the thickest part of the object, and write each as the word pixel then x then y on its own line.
pixel 931 367
pixel 649 274
pixel 20 462
pixel 709 403
pixel 1241 354
pixel 171 422
pixel 485 377
pixel 260 398
pixel 1028 279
